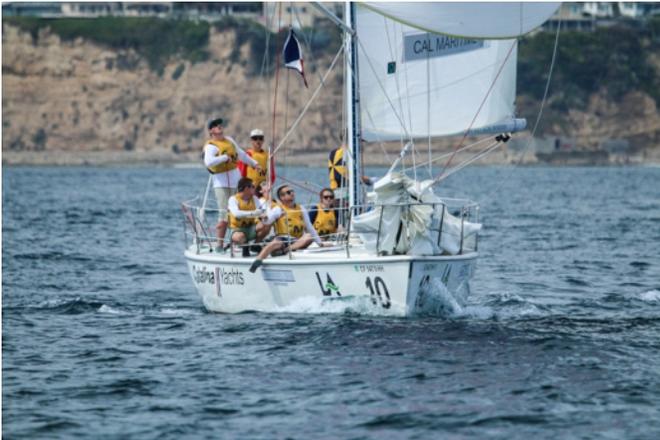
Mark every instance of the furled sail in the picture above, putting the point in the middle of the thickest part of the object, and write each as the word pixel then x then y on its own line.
pixel 469 20
pixel 415 83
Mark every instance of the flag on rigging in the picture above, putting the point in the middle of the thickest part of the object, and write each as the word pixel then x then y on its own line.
pixel 293 55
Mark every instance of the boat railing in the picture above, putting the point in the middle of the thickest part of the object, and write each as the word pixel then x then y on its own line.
pixel 199 225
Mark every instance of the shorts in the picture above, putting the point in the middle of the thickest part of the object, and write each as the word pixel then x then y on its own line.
pixel 288 241
pixel 249 231
pixel 222 196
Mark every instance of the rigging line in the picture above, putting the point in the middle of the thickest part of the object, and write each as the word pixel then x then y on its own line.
pixel 428 110
pixel 382 88
pixel 538 117
pixel 277 76
pixel 304 110
pixel 483 153
pixel 306 184
pixel 277 72
pixel 440 176
pixel 466 147
pixel 393 56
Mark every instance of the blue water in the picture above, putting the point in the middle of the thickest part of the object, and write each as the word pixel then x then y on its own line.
pixel 104 337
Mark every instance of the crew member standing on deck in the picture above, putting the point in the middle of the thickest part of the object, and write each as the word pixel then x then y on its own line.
pixel 257 152
pixel 221 154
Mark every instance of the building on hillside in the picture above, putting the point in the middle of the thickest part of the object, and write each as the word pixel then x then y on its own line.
pixel 296 14
pixel 32 9
pixel 207 11
pixel 638 10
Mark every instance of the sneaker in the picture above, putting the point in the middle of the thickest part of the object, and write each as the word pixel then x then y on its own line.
pixel 219 250
pixel 255 265
pixel 245 250
pixel 256 248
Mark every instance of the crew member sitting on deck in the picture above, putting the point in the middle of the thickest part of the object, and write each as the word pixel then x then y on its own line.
pixel 293 230
pixel 244 210
pixel 324 215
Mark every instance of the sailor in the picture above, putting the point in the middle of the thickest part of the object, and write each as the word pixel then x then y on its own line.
pixel 338 176
pixel 324 215
pixel 337 171
pixel 244 210
pixel 257 152
pixel 293 229
pixel 221 154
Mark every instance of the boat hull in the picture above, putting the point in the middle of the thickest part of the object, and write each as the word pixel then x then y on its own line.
pixel 397 285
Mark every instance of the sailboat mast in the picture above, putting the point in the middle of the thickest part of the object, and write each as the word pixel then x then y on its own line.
pixel 352 102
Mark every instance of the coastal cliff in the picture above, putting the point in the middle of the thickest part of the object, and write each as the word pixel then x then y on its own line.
pixel 72 100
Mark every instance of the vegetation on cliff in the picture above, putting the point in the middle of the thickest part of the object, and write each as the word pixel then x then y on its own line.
pixel 157 40
pixel 154 39
pixel 617 59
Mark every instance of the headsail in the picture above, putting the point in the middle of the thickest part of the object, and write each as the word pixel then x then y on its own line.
pixel 469 20
pixel 415 84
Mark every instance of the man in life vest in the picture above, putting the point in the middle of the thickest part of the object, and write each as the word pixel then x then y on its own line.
pixel 244 210
pixel 257 152
pixel 338 176
pixel 324 215
pixel 293 230
pixel 221 154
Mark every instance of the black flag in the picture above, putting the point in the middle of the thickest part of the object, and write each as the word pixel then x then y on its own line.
pixel 293 55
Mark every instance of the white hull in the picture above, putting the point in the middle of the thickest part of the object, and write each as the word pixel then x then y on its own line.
pixel 390 285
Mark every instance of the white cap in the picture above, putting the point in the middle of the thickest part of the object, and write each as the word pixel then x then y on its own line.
pixel 256 132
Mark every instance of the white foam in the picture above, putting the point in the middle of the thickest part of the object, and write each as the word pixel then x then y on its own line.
pixel 360 305
pixel 179 312
pixel 650 296
pixel 107 309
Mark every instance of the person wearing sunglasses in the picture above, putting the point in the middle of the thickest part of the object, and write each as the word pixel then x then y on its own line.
pixel 293 229
pixel 244 211
pixel 221 154
pixel 257 152
pixel 324 215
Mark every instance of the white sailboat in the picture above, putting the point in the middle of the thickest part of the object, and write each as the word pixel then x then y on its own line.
pixel 415 71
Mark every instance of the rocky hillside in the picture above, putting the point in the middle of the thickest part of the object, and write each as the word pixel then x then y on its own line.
pixel 76 96
pixel 72 100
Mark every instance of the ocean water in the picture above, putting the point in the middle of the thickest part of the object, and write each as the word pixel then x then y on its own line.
pixel 104 336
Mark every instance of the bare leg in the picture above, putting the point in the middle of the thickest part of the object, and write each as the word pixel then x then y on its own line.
pixel 221 230
pixel 238 238
pixel 262 231
pixel 303 242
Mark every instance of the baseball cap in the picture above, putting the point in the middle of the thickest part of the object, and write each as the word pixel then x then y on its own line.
pixel 256 132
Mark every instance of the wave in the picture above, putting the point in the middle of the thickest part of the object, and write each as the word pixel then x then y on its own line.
pixel 650 296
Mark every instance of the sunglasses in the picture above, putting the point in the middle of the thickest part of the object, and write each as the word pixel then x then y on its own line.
pixel 328 197
pixel 289 192
pixel 257 138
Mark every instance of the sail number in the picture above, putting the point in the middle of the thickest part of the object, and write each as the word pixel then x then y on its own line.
pixel 379 292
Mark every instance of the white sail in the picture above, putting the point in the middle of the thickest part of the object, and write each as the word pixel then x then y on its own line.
pixel 414 84
pixel 469 20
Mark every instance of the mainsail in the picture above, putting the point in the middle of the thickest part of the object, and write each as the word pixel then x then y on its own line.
pixel 440 77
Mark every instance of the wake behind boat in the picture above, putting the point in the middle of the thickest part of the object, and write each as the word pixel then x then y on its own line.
pixel 418 71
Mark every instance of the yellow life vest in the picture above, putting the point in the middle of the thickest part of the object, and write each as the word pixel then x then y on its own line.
pixel 292 223
pixel 224 147
pixel 243 205
pixel 337 169
pixel 325 222
pixel 258 176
